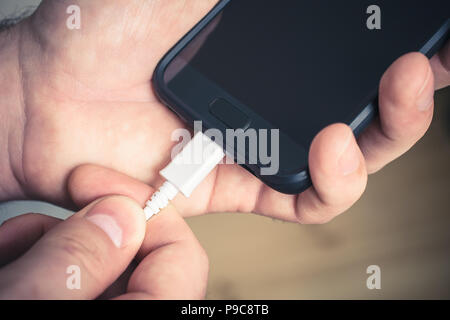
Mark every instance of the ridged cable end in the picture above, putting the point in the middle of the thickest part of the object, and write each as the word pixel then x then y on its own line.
pixel 160 199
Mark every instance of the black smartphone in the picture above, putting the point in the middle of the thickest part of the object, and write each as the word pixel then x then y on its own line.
pixel 292 67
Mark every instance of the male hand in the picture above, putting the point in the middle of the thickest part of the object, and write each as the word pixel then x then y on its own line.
pixel 87 98
pixel 105 250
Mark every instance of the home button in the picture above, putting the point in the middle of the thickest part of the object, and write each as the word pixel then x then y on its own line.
pixel 231 116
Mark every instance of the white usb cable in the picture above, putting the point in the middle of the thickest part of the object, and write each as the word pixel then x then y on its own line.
pixel 197 159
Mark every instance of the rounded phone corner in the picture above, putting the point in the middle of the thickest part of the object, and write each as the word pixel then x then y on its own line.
pixel 291 187
pixel 287 183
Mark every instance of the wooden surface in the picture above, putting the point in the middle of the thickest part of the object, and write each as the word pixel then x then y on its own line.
pixel 401 224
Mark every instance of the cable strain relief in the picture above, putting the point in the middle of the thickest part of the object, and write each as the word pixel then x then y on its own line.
pixel 160 199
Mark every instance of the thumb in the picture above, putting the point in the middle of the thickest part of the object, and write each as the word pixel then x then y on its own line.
pixel 80 257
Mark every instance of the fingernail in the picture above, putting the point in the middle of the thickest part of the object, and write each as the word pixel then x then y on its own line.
pixel 426 94
pixel 108 224
pixel 349 160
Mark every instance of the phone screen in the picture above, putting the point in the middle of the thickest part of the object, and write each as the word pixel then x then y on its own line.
pixel 302 65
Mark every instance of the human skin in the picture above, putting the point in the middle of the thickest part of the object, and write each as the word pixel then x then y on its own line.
pixel 84 96
pixel 118 253
pixel 73 97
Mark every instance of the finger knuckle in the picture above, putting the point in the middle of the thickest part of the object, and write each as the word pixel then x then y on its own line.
pixel 204 260
pixel 87 254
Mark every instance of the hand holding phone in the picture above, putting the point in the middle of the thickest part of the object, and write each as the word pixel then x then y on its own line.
pixel 107 109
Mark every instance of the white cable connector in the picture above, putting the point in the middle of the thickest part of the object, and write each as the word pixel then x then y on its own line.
pixel 160 199
pixel 197 159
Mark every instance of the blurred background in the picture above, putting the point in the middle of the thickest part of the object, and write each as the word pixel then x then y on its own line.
pixel 401 224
